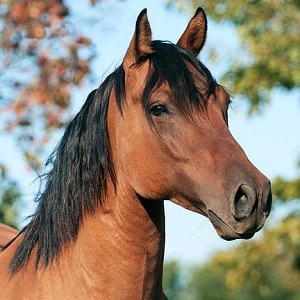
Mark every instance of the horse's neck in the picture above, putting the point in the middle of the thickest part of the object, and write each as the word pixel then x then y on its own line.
pixel 121 248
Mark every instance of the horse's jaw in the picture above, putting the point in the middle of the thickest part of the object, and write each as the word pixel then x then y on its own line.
pixel 225 231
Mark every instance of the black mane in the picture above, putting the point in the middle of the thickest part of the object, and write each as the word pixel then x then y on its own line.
pixel 82 163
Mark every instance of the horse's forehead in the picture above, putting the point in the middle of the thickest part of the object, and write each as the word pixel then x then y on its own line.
pixel 136 79
pixel 137 74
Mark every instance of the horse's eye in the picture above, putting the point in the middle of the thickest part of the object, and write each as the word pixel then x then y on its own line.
pixel 159 110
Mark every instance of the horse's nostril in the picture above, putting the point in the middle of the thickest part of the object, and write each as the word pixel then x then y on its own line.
pixel 243 202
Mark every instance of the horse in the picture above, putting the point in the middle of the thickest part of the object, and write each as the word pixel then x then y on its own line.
pixel 7 234
pixel 156 129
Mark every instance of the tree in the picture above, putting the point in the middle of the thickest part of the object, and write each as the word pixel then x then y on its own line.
pixel 40 61
pixel 268 268
pixel 270 35
pixel 264 269
pixel 9 199
pixel 173 281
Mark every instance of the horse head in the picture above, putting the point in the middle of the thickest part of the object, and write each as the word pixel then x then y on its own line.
pixel 172 138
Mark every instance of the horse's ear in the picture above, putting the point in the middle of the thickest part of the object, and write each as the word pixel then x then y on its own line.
pixel 140 45
pixel 194 36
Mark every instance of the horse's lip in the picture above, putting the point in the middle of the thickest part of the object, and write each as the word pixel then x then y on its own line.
pixel 224 230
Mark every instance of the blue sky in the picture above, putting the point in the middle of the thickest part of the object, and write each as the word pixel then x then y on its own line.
pixel 271 140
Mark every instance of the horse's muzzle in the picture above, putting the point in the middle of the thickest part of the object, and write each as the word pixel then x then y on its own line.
pixel 249 213
pixel 224 230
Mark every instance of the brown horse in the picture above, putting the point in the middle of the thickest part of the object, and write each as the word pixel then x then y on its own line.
pixel 6 235
pixel 155 129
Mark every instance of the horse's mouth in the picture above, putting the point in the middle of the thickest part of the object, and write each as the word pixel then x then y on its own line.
pixel 224 230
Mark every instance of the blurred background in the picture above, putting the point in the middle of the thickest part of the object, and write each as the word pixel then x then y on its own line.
pixel 54 52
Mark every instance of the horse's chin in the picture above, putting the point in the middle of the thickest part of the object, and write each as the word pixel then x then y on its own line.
pixel 224 230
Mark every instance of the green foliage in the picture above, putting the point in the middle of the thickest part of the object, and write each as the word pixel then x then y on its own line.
pixel 173 283
pixel 270 34
pixel 286 189
pixel 9 199
pixel 207 283
pixel 259 269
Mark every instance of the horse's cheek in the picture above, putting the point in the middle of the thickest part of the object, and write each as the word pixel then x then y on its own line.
pixel 142 172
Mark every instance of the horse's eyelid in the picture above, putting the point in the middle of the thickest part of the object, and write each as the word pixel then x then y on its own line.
pixel 160 103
